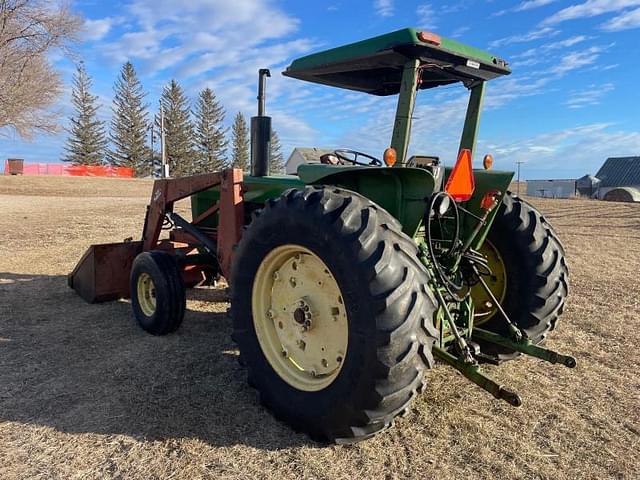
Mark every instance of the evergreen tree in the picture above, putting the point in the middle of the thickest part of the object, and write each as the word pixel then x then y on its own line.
pixel 240 143
pixel 179 135
pixel 86 143
pixel 129 124
pixel 276 159
pixel 210 135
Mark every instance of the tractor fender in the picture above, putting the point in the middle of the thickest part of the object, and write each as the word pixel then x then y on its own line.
pixel 400 191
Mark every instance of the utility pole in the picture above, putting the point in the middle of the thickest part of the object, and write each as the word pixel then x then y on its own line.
pixel 519 162
pixel 163 145
pixel 153 153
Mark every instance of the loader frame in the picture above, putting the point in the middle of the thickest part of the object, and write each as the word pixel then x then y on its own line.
pixel 102 274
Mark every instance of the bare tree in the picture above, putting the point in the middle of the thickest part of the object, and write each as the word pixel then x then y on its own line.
pixel 29 85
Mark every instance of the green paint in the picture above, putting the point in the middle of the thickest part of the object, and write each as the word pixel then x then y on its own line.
pixel 256 190
pixel 400 191
pixel 525 346
pixel 475 374
pixel 467 51
pixel 404 111
pixel 472 118
pixel 363 48
pixel 485 181
pixel 406 37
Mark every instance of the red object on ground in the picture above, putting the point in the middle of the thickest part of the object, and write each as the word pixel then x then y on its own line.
pixel 72 170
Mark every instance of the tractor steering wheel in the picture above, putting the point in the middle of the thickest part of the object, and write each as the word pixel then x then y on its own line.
pixel 351 156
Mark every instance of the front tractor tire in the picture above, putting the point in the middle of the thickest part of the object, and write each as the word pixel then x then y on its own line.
pixel 158 295
pixel 332 313
pixel 530 274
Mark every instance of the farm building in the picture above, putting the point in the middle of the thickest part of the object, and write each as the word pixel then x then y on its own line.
pixel 587 186
pixel 619 179
pixel 561 188
pixel 303 155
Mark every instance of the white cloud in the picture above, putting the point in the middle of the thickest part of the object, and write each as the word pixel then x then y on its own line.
pixel 524 6
pixel 624 21
pixel 571 152
pixel 590 8
pixel 578 59
pixel 97 29
pixel 560 44
pixel 531 4
pixel 589 96
pixel 384 8
pixel 426 16
pixel 458 32
pixel 543 53
pixel 544 32
pixel 164 37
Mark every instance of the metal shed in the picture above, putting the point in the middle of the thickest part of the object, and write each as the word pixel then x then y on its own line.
pixel 587 186
pixel 560 188
pixel 618 172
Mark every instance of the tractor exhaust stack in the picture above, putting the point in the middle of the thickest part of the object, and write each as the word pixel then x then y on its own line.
pixel 261 131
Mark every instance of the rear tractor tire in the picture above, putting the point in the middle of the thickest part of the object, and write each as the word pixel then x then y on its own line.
pixel 158 294
pixel 530 278
pixel 332 313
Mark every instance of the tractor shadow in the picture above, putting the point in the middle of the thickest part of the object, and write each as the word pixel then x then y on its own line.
pixel 89 368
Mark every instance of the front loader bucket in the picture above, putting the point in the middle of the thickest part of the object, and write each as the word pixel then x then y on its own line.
pixel 102 274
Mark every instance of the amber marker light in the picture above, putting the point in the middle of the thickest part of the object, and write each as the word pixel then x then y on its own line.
pixel 487 161
pixel 428 37
pixel 390 157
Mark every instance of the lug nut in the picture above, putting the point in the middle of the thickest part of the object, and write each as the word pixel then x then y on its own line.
pixel 292 281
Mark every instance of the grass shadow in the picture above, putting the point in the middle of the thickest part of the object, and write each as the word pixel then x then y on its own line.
pixel 89 368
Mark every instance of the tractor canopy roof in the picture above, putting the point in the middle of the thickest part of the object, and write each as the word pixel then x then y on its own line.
pixel 375 65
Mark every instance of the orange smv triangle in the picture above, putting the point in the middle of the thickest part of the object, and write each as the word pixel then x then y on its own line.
pixel 461 183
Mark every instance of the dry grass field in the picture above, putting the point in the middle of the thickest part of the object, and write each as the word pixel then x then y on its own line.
pixel 84 393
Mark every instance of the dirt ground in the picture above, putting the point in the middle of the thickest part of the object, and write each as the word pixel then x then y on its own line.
pixel 84 393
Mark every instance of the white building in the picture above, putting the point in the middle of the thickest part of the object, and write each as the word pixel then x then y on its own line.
pixel 303 155
pixel 561 188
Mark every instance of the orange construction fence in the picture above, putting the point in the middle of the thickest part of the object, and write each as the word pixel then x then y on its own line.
pixel 67 170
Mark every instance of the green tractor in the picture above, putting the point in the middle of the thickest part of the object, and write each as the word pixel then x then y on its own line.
pixel 348 279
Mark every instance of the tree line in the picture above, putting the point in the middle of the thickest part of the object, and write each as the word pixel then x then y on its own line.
pixel 196 140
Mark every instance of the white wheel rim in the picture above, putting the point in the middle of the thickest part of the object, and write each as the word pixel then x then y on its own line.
pixel 299 317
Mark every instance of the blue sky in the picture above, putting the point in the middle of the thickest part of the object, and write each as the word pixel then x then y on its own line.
pixel 571 101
